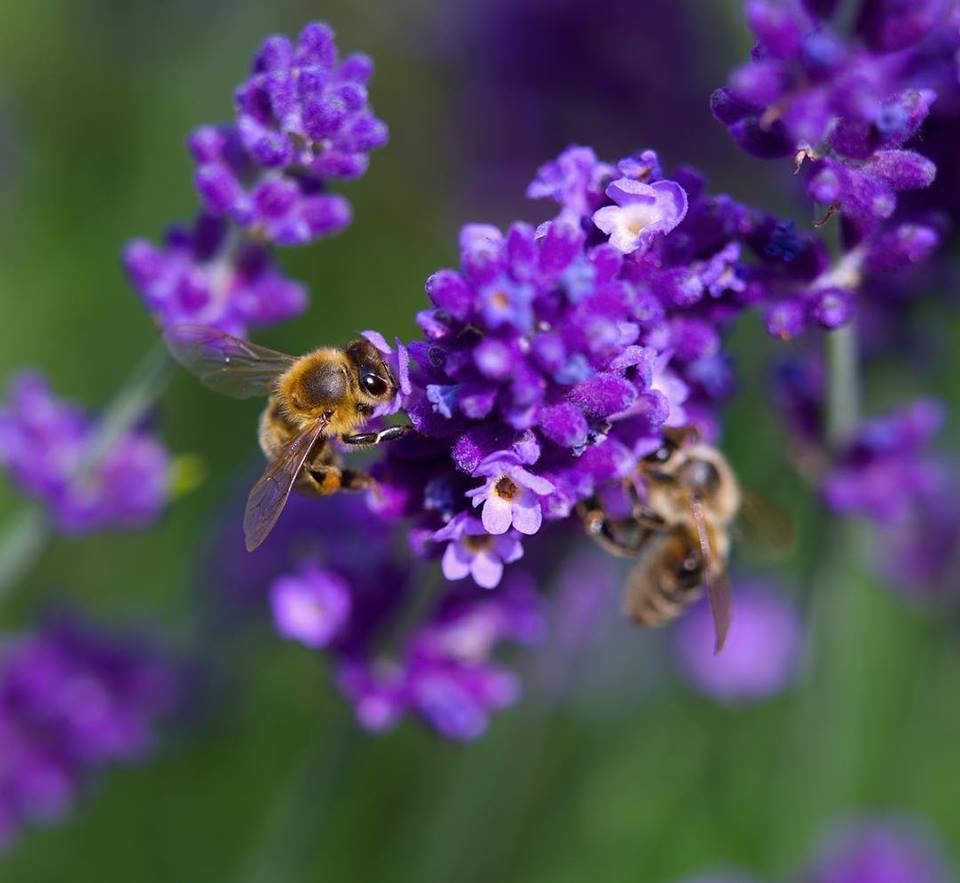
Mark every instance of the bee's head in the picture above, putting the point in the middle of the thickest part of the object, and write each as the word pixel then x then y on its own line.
pixel 707 476
pixel 371 378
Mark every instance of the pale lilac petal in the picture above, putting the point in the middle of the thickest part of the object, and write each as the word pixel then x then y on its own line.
pixel 540 486
pixel 487 570
pixel 607 218
pixel 527 516
pixel 509 548
pixel 378 340
pixel 456 562
pixel 497 515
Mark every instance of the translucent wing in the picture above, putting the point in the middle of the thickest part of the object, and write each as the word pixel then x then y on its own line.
pixel 226 364
pixel 766 527
pixel 269 494
pixel 718 586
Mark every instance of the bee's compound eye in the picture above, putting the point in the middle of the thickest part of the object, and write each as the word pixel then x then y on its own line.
pixel 373 384
pixel 660 455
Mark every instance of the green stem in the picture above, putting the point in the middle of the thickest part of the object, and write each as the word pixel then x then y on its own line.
pixel 292 829
pixel 813 782
pixel 843 387
pixel 26 535
pixel 139 393
pixel 22 540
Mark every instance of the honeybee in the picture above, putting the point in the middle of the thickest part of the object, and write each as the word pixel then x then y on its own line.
pixel 678 529
pixel 328 393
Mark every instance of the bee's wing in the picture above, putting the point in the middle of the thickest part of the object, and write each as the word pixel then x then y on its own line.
pixel 715 573
pixel 765 526
pixel 269 494
pixel 226 364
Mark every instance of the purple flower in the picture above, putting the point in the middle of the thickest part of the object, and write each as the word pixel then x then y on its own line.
pixel 845 105
pixel 45 444
pixel 338 580
pixel 510 495
pixel 884 467
pixel 304 110
pixel 642 212
pixel 893 850
pixel 473 551
pixel 551 346
pixel 445 674
pixel 72 699
pixel 887 474
pixel 761 657
pixel 197 277
pixel 310 606
pixel 576 180
pixel 302 120
pixel 282 209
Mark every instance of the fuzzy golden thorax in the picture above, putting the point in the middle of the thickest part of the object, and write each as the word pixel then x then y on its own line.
pixel 341 386
pixel 699 471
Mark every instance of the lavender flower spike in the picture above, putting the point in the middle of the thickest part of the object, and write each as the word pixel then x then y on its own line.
pixel 510 495
pixel 642 212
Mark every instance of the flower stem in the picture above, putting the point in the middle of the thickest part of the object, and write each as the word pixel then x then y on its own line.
pixel 139 393
pixel 293 827
pixel 22 540
pixel 26 535
pixel 843 385
pixel 813 783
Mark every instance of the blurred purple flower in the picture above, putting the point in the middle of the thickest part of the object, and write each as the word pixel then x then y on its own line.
pixel 762 655
pixel 310 606
pixel 305 110
pixel 887 474
pixel 885 465
pixel 444 672
pixel 302 120
pixel 337 581
pixel 72 699
pixel 199 276
pixel 45 443
pixel 845 105
pixel 284 210
pixel 893 850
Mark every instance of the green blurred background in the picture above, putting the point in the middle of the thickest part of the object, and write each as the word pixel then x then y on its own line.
pixel 629 775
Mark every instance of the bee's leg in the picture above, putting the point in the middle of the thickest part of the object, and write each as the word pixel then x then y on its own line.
pixel 624 544
pixel 353 480
pixel 368 439
pixel 323 480
pixel 320 480
pixel 644 515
